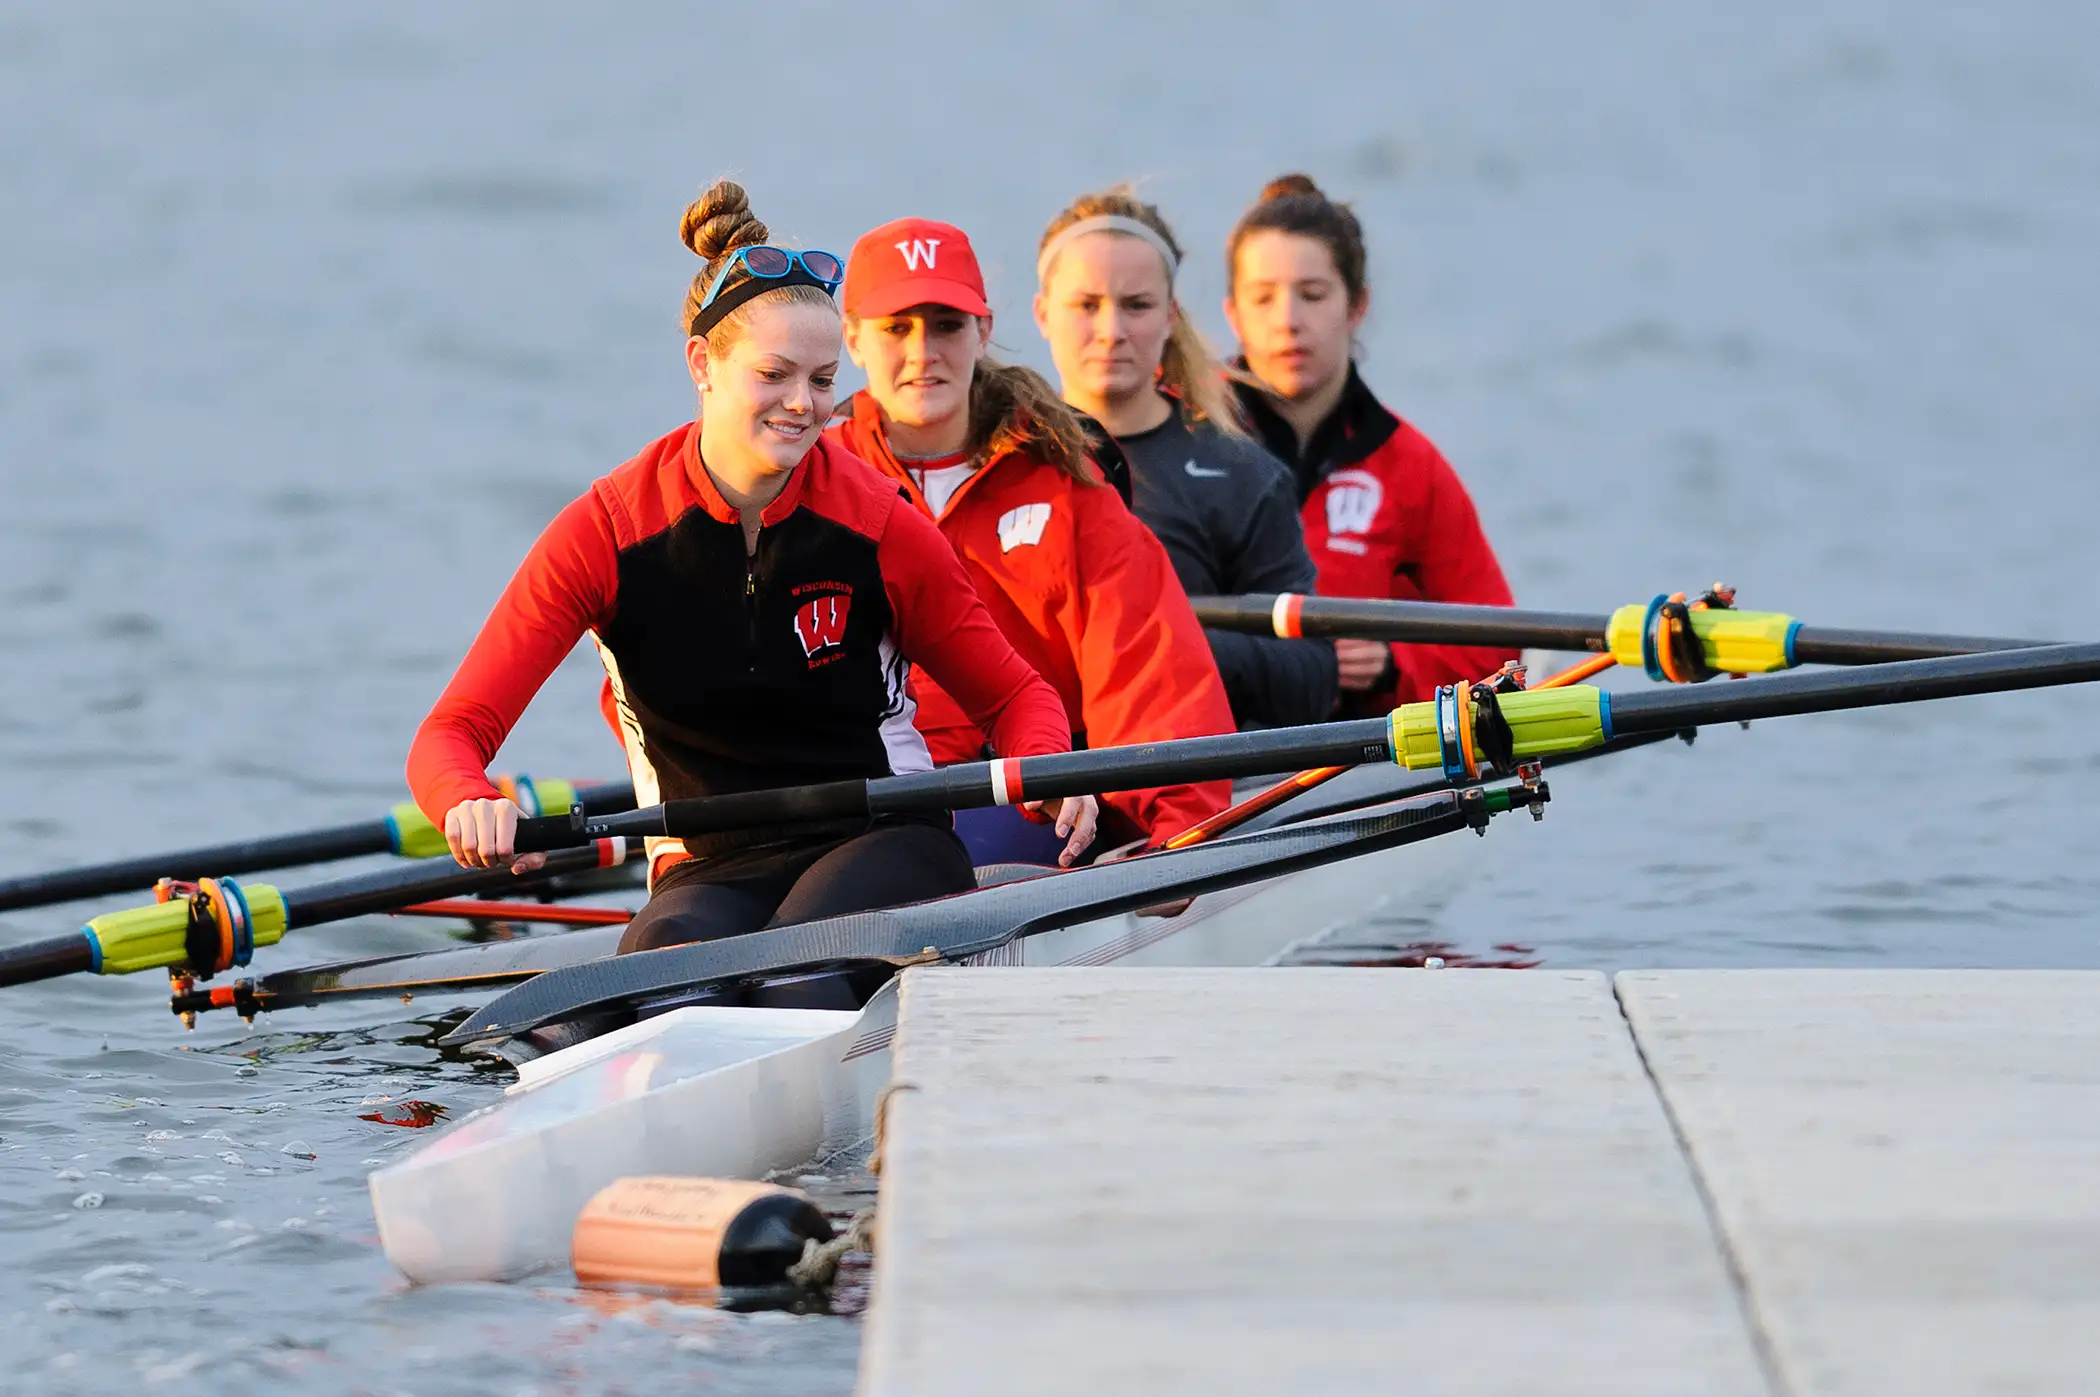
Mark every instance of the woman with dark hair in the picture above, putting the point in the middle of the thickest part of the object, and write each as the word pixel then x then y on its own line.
pixel 1384 513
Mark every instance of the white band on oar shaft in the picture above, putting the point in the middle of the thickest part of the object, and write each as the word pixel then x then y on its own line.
pixel 1283 616
pixel 1006 781
pixel 1106 223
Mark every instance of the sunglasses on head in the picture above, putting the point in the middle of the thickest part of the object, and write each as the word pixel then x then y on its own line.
pixel 773 263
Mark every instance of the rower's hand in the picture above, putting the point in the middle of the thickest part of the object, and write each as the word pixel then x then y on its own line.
pixel 1076 817
pixel 484 834
pixel 1363 663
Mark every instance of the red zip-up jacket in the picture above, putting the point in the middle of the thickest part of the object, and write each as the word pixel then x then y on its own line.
pixel 1086 594
pixel 731 672
pixel 1386 516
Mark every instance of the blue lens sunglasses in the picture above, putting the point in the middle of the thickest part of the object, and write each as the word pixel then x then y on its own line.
pixel 773 263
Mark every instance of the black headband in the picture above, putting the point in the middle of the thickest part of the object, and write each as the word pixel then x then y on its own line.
pixel 751 287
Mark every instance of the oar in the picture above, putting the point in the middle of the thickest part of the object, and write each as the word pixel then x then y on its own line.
pixel 220 924
pixel 494 964
pixel 973 923
pixel 404 830
pixel 1454 732
pixel 1729 641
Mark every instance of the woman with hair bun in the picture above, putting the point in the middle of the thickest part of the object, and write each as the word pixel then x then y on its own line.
pixel 757 595
pixel 1384 513
pixel 1224 508
pixel 1006 471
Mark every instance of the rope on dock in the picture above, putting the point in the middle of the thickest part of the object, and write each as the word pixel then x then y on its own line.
pixel 820 1260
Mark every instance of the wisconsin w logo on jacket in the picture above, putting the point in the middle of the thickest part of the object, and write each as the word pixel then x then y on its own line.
pixel 1022 524
pixel 1353 498
pixel 821 624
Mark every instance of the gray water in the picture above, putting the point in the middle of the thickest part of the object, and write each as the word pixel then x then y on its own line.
pixel 308 322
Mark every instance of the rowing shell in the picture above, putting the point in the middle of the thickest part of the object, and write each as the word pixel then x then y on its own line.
pixel 735 1092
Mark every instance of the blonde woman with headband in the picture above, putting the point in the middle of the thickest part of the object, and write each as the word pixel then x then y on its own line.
pixel 1226 510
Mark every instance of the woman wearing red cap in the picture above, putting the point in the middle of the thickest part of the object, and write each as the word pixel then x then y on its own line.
pixel 1224 508
pixel 754 592
pixel 1083 590
pixel 1384 513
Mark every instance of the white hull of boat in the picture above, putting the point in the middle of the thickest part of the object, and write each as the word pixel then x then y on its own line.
pixel 742 1093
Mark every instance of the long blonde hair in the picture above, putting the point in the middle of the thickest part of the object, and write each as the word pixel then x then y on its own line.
pixel 715 225
pixel 1188 367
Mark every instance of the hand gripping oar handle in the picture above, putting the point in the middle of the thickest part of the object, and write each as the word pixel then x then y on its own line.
pixel 1729 640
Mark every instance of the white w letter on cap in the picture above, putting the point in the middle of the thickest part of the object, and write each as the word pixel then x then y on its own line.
pixel 916 249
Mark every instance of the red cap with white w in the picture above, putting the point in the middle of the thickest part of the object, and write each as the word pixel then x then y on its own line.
pixel 913 262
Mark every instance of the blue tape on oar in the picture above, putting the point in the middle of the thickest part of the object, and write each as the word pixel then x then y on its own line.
pixel 243 925
pixel 1650 660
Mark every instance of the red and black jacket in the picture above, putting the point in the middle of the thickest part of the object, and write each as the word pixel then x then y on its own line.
pixel 1088 597
pixel 732 673
pixel 1386 516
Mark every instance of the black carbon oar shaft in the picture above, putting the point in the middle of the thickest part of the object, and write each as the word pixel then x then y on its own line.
pixel 975 784
pixel 1829 691
pixel 389 888
pixel 1830 645
pixel 91 947
pixel 211 861
pixel 1444 623
pixel 1425 623
pixel 241 856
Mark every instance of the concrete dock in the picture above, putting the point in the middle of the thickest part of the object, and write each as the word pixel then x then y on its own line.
pixel 1336 1181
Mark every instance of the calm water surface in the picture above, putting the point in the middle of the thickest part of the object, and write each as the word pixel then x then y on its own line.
pixel 308 323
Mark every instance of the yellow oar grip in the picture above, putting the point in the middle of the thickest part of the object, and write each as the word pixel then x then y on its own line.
pixel 144 938
pixel 1734 642
pixel 416 838
pixel 1542 722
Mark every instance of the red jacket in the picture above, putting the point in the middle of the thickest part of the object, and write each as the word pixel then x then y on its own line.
pixel 732 672
pixel 1085 593
pixel 1386 516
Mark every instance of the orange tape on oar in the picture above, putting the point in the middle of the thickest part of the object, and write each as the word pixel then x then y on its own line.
pixel 221 931
pixel 1670 648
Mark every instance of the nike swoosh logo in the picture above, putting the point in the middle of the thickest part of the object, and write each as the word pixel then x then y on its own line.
pixel 1203 472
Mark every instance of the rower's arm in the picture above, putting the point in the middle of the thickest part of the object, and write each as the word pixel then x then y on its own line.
pixel 564 588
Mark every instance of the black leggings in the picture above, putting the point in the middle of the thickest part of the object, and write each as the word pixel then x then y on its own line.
pixel 881 868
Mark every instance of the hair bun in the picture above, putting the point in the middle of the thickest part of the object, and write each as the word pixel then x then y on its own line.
pixel 721 221
pixel 1287 186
